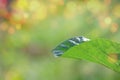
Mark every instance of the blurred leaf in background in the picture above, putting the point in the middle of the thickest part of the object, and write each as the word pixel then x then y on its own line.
pixel 30 29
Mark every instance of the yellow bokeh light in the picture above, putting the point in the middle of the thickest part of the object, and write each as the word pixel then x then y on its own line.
pixel 70 10
pixel 34 5
pixel 108 20
pixel 95 6
pixel 18 26
pixel 22 4
pixel 18 17
pixel 81 8
pixel 52 8
pixel 116 10
pixel 40 13
pixel 60 2
pixel 72 6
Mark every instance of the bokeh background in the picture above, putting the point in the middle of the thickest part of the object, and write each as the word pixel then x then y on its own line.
pixel 30 29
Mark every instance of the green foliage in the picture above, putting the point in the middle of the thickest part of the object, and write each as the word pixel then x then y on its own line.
pixel 30 29
pixel 100 51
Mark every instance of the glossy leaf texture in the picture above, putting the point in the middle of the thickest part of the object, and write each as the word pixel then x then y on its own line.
pixel 101 51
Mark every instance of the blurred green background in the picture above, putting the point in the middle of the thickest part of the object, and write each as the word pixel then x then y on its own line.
pixel 30 29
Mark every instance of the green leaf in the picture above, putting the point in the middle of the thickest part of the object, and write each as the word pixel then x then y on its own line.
pixel 100 51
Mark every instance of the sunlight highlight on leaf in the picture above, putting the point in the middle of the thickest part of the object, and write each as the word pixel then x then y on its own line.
pixel 113 58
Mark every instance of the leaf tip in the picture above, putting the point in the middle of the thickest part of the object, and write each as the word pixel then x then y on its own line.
pixel 64 46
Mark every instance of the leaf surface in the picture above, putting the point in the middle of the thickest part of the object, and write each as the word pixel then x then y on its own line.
pixel 100 51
